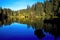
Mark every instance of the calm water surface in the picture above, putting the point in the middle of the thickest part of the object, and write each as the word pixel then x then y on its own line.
pixel 17 31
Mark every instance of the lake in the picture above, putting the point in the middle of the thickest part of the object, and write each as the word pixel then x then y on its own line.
pixel 17 31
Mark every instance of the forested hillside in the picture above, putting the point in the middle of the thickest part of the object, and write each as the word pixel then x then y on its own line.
pixel 39 11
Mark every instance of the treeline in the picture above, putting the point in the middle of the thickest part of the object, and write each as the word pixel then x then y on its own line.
pixel 50 8
pixel 3 14
pixel 53 25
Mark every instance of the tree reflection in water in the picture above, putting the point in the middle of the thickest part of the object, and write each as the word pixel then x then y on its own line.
pixel 52 26
pixel 39 33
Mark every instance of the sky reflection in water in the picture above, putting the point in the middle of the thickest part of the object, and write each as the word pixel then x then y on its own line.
pixel 17 31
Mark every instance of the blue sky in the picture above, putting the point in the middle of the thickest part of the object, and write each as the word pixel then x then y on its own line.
pixel 17 4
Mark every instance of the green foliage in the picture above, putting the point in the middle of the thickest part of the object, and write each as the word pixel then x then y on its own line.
pixel 38 11
pixel 1 11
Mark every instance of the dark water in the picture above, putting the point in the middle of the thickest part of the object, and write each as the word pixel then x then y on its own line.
pixel 17 31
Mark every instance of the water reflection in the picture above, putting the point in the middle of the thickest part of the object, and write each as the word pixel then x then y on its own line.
pixel 52 26
pixel 39 33
pixel 17 31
